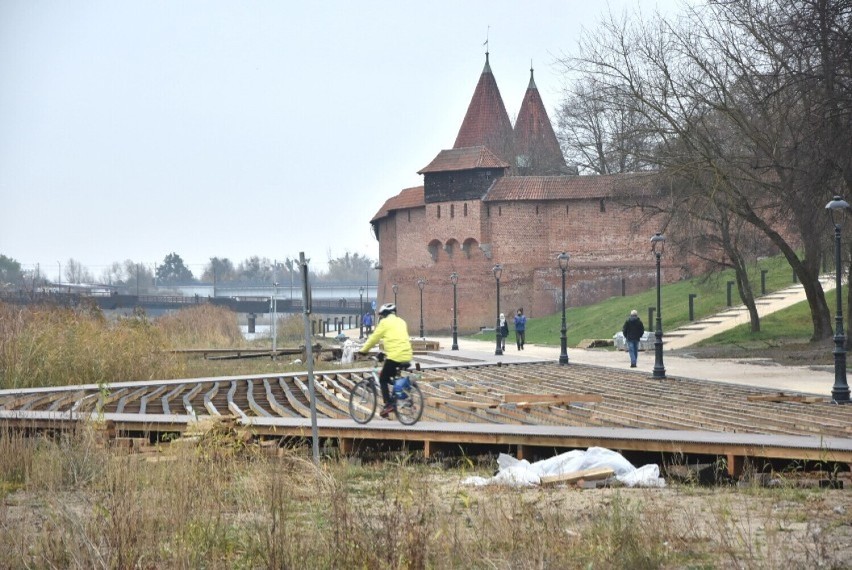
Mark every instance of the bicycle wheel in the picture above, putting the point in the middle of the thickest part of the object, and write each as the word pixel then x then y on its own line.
pixel 410 408
pixel 362 401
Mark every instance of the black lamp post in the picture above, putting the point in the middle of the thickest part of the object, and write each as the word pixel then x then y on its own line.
pixel 498 271
pixel 658 244
pixel 395 288
pixel 838 208
pixel 563 258
pixel 361 312
pixel 454 279
pixel 421 283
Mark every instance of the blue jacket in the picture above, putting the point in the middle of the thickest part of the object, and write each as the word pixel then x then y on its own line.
pixel 520 323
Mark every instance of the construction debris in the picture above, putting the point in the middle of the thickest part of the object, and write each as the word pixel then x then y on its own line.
pixel 574 466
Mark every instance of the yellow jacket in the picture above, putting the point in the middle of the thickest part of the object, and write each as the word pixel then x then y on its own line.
pixel 393 332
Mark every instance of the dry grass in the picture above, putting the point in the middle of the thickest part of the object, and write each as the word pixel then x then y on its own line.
pixel 50 346
pixel 204 326
pixel 57 347
pixel 218 502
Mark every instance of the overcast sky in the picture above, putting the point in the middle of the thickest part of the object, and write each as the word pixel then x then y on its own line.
pixel 132 129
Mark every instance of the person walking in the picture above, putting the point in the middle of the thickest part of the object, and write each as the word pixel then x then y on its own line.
pixel 633 330
pixel 368 322
pixel 520 328
pixel 504 331
pixel 393 332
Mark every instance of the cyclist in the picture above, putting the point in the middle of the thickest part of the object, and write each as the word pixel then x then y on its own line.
pixel 393 332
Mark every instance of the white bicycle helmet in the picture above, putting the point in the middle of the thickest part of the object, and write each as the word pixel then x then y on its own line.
pixel 387 309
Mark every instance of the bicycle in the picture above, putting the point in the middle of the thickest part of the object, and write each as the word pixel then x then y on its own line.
pixel 408 397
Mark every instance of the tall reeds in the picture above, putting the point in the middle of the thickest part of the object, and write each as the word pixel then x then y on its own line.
pixel 57 347
pixel 204 326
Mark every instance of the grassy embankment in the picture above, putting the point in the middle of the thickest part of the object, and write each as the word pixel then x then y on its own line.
pixel 602 320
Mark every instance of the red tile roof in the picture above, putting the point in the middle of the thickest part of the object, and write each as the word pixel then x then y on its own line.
pixel 565 187
pixel 534 136
pixel 486 122
pixel 408 198
pixel 464 159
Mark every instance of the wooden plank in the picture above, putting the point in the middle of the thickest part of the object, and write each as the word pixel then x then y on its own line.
pixel 782 397
pixel 574 476
pixel 232 405
pixel 208 400
pixel 253 405
pixel 187 398
pixel 550 398
pixel 460 403
pixel 273 402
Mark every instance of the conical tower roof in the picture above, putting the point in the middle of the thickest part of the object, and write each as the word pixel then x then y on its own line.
pixel 486 122
pixel 537 150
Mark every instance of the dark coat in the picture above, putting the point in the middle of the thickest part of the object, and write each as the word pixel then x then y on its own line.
pixel 633 328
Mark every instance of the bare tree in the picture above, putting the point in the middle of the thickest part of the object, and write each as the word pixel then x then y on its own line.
pixel 139 277
pixel 599 133
pixel 75 272
pixel 114 274
pixel 753 95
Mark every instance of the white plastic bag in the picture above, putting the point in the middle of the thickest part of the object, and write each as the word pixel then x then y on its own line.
pixel 516 473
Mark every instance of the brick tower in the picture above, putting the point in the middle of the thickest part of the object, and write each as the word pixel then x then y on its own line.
pixel 502 195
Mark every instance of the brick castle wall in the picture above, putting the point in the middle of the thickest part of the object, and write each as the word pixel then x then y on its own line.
pixel 607 245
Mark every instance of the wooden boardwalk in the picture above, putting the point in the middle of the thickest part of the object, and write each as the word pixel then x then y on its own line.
pixel 520 406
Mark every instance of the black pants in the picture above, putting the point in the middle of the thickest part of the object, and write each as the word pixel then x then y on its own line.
pixel 389 370
pixel 521 338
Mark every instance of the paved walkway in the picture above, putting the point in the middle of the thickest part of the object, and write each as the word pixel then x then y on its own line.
pixel 749 372
pixel 744 371
pixel 705 328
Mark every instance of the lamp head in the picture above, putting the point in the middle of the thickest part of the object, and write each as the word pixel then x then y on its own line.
pixel 421 283
pixel 498 271
pixel 658 243
pixel 454 278
pixel 837 209
pixel 562 259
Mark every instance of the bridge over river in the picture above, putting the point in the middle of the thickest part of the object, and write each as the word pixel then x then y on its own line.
pixel 255 305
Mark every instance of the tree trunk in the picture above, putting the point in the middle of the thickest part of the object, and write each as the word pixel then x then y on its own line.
pixel 808 275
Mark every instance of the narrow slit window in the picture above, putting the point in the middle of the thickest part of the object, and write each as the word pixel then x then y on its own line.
pixel 439 212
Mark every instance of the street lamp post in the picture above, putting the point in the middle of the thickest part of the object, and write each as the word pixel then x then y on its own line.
pixel 395 288
pixel 274 317
pixel 454 279
pixel 838 209
pixel 658 243
pixel 360 313
pixel 498 271
pixel 563 258
pixel 421 283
